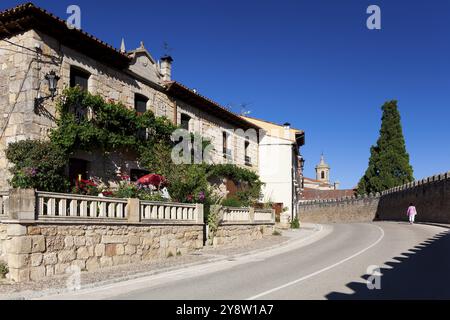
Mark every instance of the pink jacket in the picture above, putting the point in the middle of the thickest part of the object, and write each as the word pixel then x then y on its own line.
pixel 412 211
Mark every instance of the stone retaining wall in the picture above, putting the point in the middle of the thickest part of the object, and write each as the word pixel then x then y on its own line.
pixel 3 238
pixel 339 211
pixel 41 249
pixel 231 234
pixel 431 196
pixel 242 225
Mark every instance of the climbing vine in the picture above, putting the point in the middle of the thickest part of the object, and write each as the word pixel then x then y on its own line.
pixel 87 122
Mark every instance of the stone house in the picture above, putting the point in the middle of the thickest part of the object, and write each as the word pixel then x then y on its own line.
pixel 34 43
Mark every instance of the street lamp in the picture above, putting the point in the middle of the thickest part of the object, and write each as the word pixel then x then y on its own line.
pixel 52 80
pixel 302 162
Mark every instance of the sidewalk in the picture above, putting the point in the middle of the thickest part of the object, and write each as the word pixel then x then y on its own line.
pixel 58 284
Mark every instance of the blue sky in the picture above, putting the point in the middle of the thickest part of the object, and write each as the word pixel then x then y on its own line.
pixel 311 63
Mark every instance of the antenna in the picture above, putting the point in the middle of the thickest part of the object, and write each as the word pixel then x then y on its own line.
pixel 166 48
pixel 245 111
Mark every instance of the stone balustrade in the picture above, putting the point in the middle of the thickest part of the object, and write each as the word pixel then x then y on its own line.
pixel 236 214
pixel 264 215
pixel 247 215
pixel 56 205
pixel 30 205
pixel 43 234
pixel 157 211
pixel 241 225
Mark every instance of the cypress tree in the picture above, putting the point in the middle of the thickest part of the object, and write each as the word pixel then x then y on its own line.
pixel 389 161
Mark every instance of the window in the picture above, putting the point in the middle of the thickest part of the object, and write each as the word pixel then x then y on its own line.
pixel 323 174
pixel 136 174
pixel 140 103
pixel 79 78
pixel 248 160
pixel 185 121
pixel 226 151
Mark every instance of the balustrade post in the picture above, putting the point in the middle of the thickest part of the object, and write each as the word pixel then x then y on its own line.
pixel 134 211
pixel 199 209
pixel 251 215
pixel 22 204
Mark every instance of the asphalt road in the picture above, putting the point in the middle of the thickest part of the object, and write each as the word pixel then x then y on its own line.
pixel 414 262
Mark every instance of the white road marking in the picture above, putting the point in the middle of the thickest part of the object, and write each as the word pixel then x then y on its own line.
pixel 320 271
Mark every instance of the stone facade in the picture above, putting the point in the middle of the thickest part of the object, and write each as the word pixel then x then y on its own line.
pixel 431 196
pixel 212 128
pixel 22 72
pixel 41 249
pixel 238 234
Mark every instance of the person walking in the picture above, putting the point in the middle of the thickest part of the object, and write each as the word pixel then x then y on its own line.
pixel 412 213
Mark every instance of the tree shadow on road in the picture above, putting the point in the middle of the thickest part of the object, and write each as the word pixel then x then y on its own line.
pixel 421 273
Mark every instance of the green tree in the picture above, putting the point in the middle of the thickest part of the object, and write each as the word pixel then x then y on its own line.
pixel 389 161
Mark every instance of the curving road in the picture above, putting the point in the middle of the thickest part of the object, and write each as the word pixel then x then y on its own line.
pixel 414 262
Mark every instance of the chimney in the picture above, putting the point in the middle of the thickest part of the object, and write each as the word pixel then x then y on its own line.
pixel 287 130
pixel 166 68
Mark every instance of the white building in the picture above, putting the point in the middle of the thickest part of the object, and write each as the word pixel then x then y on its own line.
pixel 280 163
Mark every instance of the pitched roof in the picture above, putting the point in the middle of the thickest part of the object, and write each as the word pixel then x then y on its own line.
pixel 276 130
pixel 28 16
pixel 182 92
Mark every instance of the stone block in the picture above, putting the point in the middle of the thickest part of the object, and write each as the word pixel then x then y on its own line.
pixel 19 245
pixel 80 264
pixel 120 260
pixel 113 239
pixel 49 271
pixel 130 249
pixel 61 268
pixel 106 262
pixel 99 250
pixel 66 256
pixel 134 240
pixel 18 261
pixel 14 230
pixel 120 249
pixel 37 273
pixel 110 250
pixel 36 259
pixel 33 230
pixel 19 275
pixel 92 264
pixel 83 253
pixel 50 258
pixel 79 241
pixel 69 242
pixel 38 244
pixel 55 244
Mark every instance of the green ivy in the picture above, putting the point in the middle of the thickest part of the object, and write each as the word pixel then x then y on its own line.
pixel 38 165
pixel 110 126
pixel 107 126
pixel 248 182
